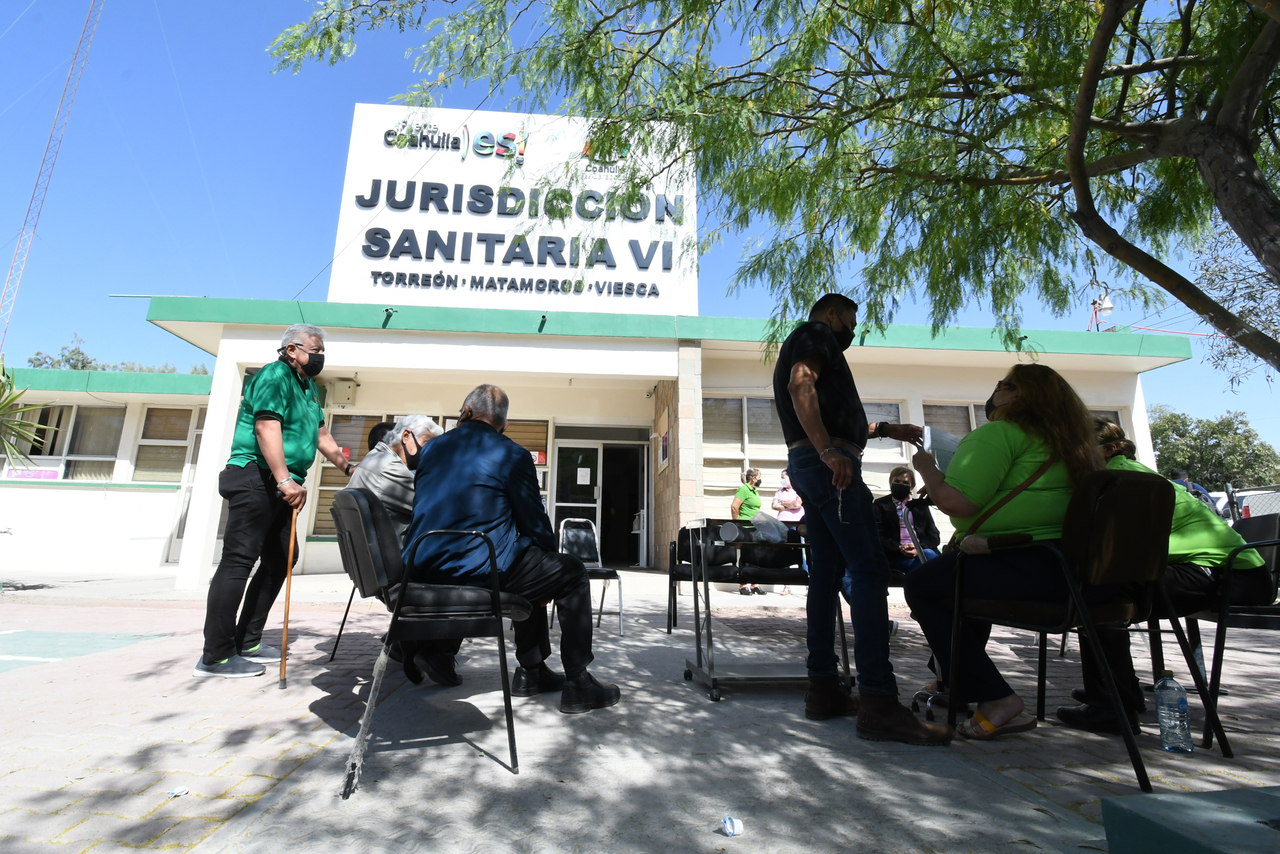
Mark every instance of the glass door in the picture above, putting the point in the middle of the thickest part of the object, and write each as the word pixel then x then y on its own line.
pixel 577 483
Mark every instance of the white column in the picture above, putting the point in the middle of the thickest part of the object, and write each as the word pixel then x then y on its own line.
pixel 195 567
pixel 688 415
pixel 1141 432
pixel 123 471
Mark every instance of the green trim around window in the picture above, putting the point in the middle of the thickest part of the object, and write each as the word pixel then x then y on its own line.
pixel 281 313
pixel 84 484
pixel 111 382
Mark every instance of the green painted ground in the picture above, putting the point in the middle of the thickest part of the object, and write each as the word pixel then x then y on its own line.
pixel 25 648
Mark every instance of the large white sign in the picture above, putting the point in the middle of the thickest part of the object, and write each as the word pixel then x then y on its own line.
pixel 505 210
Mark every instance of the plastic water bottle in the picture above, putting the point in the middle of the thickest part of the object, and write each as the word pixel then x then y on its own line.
pixel 732 826
pixel 1175 722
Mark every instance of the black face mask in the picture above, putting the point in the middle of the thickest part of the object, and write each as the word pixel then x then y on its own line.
pixel 845 337
pixel 411 460
pixel 990 408
pixel 900 491
pixel 314 365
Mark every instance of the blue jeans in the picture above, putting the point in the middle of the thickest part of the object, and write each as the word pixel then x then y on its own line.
pixel 901 563
pixel 844 539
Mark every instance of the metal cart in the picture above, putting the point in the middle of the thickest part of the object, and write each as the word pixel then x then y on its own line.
pixel 703 667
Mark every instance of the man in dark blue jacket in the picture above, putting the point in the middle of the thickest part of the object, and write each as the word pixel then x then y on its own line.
pixel 475 479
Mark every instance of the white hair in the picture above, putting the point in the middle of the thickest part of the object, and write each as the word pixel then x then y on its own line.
pixel 299 333
pixel 419 425
pixel 488 401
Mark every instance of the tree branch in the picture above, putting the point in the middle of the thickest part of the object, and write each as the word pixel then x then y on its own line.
pixel 1270 8
pixel 1245 92
pixel 1102 233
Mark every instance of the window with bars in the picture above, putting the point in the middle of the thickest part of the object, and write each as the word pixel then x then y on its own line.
pixel 350 432
pixel 891 412
pixel 956 419
pixel 739 433
pixel 72 443
pixel 166 440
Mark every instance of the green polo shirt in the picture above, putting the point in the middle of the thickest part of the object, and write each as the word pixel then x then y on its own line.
pixel 991 462
pixel 1199 535
pixel 750 498
pixel 278 392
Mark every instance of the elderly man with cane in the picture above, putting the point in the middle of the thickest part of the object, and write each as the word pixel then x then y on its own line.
pixel 279 427
pixel 826 429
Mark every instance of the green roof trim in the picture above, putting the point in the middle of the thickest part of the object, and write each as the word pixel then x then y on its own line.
pixel 248 312
pixel 80 484
pixel 111 382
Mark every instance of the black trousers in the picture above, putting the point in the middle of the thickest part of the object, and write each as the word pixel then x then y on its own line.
pixel 541 577
pixel 1191 589
pixel 257 532
pixel 1030 574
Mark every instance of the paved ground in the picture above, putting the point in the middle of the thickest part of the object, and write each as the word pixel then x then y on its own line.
pixel 99 722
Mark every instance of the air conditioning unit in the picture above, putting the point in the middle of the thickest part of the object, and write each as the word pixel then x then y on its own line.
pixel 342 393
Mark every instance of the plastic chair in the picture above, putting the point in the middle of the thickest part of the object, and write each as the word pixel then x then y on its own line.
pixel 578 537
pixel 1116 532
pixel 371 555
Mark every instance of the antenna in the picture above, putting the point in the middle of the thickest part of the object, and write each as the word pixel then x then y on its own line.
pixel 23 249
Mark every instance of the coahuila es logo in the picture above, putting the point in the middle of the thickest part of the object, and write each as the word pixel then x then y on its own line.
pixel 428 136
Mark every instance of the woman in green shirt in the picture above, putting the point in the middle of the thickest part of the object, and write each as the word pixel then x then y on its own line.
pixel 746 504
pixel 1198 544
pixel 1040 434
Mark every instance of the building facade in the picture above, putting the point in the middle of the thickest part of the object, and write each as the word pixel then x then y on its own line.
pixel 639 423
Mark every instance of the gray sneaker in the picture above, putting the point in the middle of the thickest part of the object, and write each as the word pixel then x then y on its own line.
pixel 262 654
pixel 234 667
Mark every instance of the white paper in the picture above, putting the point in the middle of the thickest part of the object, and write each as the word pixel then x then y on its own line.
pixel 584 477
pixel 942 445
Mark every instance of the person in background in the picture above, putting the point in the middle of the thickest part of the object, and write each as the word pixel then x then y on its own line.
pixel 473 478
pixel 378 432
pixel 387 470
pixel 890 512
pixel 278 430
pixel 1182 478
pixel 745 505
pixel 1198 546
pixel 825 427
pixel 790 509
pixel 1037 444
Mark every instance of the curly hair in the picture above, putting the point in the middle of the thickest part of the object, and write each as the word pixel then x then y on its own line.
pixel 1049 408
pixel 1112 440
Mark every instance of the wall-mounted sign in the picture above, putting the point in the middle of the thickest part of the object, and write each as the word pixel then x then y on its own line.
pixel 505 210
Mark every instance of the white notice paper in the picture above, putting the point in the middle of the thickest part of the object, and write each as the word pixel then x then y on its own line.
pixel 584 477
pixel 942 445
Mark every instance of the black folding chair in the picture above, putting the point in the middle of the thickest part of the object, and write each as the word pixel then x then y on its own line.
pixel 1262 533
pixel 371 555
pixel 1116 532
pixel 578 537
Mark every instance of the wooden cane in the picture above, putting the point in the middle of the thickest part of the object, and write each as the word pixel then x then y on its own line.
pixel 288 588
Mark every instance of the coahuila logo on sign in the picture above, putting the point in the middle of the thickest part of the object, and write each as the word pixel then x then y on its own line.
pixel 429 136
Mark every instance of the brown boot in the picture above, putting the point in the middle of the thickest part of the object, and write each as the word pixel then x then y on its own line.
pixel 883 718
pixel 827 698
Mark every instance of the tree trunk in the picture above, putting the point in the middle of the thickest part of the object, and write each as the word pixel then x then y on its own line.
pixel 1240 191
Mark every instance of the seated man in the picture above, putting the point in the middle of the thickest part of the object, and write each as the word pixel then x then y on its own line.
pixel 1198 544
pixel 475 479
pixel 387 470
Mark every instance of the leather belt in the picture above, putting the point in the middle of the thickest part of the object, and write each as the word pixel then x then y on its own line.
pixel 835 443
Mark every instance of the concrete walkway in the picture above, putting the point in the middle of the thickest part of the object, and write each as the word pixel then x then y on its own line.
pixel 94 742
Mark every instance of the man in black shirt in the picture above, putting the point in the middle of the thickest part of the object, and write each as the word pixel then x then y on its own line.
pixel 826 428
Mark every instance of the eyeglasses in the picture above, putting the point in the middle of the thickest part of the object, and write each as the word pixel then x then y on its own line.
pixel 1002 385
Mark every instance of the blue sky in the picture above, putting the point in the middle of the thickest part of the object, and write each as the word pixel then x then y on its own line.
pixel 188 168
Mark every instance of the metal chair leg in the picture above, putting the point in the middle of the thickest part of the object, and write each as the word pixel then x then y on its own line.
pixel 1113 693
pixel 506 700
pixel 1040 679
pixel 1215 679
pixel 1157 649
pixel 620 629
pixel 1066 642
pixel 957 623
pixel 343 624
pixel 355 763
pixel 1206 698
pixel 603 591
